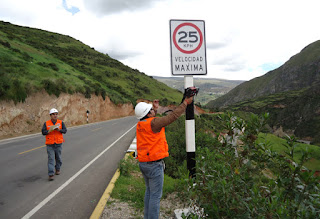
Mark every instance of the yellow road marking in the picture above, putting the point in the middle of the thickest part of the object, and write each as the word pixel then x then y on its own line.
pixel 32 149
pixel 106 195
pixel 96 214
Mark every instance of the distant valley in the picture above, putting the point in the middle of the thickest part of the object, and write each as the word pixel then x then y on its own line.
pixel 210 88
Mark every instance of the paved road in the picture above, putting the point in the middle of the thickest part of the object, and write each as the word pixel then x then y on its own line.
pixel 90 157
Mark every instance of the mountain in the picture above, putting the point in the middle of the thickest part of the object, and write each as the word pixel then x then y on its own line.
pixel 290 94
pixel 301 71
pixel 210 88
pixel 32 60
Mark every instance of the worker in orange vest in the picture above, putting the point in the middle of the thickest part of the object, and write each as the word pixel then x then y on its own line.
pixel 152 147
pixel 53 130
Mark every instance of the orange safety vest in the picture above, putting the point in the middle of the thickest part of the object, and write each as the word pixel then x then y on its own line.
pixel 54 137
pixel 150 146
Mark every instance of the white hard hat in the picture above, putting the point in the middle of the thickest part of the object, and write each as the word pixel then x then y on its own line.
pixel 53 110
pixel 142 109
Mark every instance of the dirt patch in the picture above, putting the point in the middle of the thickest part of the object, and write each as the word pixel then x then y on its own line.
pixel 116 209
pixel 281 106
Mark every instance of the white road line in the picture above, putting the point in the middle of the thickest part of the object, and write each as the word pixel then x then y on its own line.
pixel 52 195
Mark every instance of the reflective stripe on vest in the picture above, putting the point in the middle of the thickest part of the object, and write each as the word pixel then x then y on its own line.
pixel 54 137
pixel 150 146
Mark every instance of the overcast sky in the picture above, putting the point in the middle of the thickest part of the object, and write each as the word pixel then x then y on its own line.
pixel 244 38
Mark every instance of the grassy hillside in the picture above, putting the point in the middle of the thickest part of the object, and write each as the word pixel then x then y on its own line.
pixel 210 88
pixel 32 60
pixel 301 71
pixel 293 110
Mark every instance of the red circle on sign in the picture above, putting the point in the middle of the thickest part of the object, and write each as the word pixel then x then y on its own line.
pixel 175 41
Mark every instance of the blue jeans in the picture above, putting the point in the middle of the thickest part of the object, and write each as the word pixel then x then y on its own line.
pixel 54 156
pixel 153 174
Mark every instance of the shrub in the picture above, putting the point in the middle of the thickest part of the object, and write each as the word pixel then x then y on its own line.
pixel 81 77
pixel 126 166
pixel 53 66
pixel 26 57
pixel 5 44
pixel 4 85
pixel 19 91
pixel 103 94
pixel 88 92
pixel 250 181
pixel 51 87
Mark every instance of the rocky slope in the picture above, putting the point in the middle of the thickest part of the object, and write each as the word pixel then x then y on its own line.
pixel 29 116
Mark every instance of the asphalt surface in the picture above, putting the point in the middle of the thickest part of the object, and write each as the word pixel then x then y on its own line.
pixel 90 157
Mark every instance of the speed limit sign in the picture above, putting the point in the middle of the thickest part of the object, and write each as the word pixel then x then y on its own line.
pixel 188 47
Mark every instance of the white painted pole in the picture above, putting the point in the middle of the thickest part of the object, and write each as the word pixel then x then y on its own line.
pixel 87 116
pixel 190 130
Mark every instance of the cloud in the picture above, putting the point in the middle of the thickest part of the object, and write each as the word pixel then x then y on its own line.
pixel 234 67
pixel 216 45
pixel 232 63
pixel 107 7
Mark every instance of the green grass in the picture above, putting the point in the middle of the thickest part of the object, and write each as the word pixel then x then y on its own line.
pixel 131 190
pixel 273 99
pixel 277 145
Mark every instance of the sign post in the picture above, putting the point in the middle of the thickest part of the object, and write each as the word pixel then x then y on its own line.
pixel 188 58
